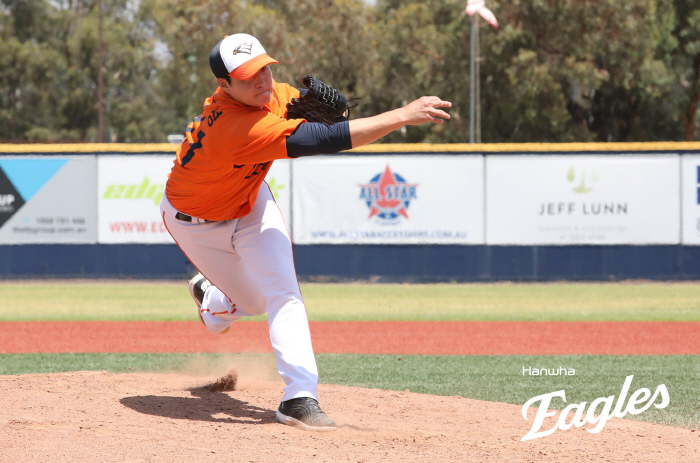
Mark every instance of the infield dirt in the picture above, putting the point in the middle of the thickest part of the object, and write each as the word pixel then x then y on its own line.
pixel 390 337
pixel 100 416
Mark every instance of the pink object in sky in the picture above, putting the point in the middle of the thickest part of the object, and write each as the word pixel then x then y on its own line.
pixel 479 6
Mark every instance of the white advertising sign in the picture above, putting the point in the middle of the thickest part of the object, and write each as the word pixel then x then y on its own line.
pixel 47 199
pixel 129 190
pixel 388 199
pixel 691 199
pixel 279 180
pixel 570 199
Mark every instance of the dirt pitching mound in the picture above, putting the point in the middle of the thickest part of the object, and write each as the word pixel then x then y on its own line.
pixel 143 417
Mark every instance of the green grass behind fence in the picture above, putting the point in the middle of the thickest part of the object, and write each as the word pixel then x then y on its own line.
pixel 138 300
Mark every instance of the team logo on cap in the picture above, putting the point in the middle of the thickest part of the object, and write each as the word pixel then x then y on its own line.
pixel 243 48
pixel 388 196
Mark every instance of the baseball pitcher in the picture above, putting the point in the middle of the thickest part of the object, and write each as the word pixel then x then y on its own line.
pixel 221 213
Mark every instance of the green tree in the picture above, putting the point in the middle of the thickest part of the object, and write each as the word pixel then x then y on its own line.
pixel 413 57
pixel 188 31
pixel 331 40
pixel 576 71
pixel 49 81
pixel 31 66
pixel 686 62
pixel 553 71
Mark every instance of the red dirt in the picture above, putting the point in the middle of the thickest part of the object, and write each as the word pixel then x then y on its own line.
pixel 100 416
pixel 439 338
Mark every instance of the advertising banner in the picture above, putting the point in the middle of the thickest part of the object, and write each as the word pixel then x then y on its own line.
pixel 691 199
pixel 279 180
pixel 388 200
pixel 129 190
pixel 48 199
pixel 583 199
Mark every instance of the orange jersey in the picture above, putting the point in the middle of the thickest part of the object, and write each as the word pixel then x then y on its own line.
pixel 226 154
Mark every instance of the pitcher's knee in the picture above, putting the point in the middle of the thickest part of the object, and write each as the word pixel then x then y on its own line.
pixel 255 310
pixel 286 303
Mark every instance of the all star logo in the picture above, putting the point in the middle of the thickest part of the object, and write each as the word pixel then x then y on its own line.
pixel 388 196
pixel 243 48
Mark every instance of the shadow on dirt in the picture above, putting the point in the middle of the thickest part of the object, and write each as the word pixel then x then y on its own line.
pixel 215 407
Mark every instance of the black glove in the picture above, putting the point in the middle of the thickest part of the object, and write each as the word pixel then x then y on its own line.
pixel 320 103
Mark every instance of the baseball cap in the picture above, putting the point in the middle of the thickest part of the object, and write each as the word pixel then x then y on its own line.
pixel 239 56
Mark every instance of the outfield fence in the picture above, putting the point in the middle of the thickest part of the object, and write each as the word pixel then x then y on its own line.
pixel 396 212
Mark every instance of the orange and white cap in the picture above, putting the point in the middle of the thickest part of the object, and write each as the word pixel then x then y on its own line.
pixel 239 56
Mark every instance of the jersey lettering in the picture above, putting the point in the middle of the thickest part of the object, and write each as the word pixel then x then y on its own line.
pixel 257 168
pixel 193 146
pixel 213 117
pixel 208 179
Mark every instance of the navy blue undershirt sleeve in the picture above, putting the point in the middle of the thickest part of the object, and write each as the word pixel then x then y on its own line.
pixel 311 138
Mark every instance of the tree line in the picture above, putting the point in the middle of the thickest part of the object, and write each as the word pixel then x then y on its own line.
pixel 554 71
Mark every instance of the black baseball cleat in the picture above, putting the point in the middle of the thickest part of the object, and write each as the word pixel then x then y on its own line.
pixel 304 413
pixel 198 286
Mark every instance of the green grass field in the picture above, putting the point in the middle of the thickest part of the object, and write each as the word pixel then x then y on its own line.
pixel 129 300
pixel 494 378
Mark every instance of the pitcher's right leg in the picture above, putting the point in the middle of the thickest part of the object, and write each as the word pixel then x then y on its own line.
pixel 209 247
pixel 220 323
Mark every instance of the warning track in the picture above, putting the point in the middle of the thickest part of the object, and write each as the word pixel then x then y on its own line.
pixel 421 338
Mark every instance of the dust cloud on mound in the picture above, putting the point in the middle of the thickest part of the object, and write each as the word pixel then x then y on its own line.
pixel 103 416
pixel 234 371
pixel 226 383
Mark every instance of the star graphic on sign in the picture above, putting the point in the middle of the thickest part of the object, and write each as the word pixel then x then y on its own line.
pixel 388 195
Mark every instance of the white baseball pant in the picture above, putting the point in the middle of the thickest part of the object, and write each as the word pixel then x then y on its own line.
pixel 250 264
